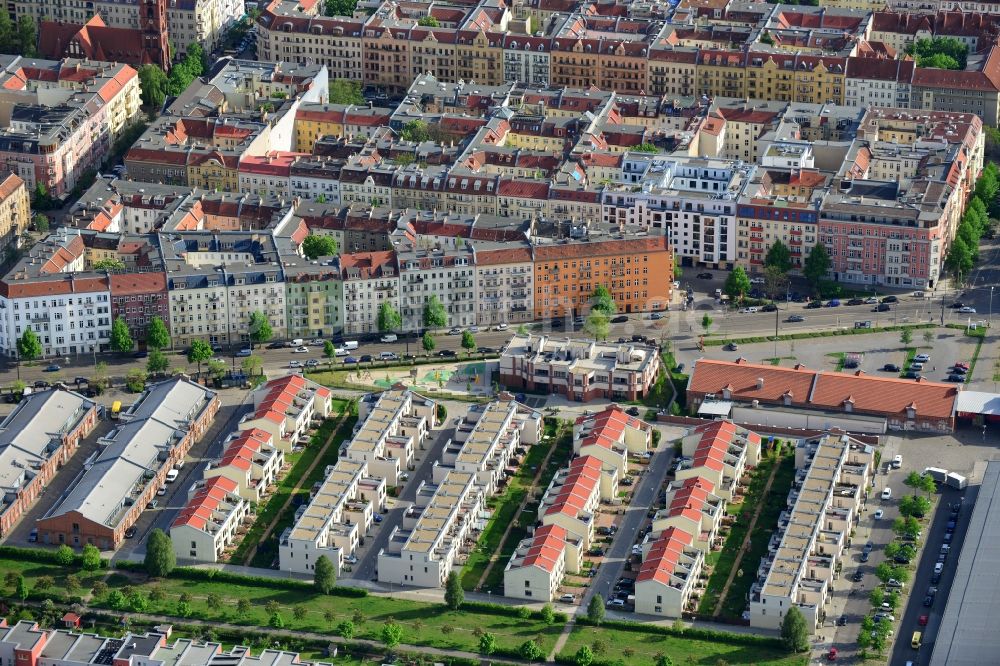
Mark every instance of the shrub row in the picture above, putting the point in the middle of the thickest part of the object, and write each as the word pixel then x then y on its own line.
pixel 216 576
pixel 718 342
pixel 484 608
pixel 712 635
pixel 43 555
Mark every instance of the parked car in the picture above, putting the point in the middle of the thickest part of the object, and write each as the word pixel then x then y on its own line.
pixel 53 367
pixel 881 307
pixel 446 353
pixel 833 303
pixel 276 345
pixel 922 620
pixel 922 358
pixel 350 360
pixel 856 301
pixel 501 327
pixel 301 350
pixel 959 370
pixel 878 514
pixel 246 351
pixel 858 576
pixel 567 598
pixel 295 364
pixel 365 358
pixel 769 307
pixel 890 299
pixel 957 305
pixel 632 411
pixel 130 532
pixel 892 582
pixel 732 346
pixel 616 603
pixel 312 363
pixel 620 319
pixel 887 493
pixel 967 310
pixel 814 305
pixel 705 276
pixel 40 384
pixel 890 367
pixel 795 319
pixel 911 375
pixel 455 331
pixel 958 379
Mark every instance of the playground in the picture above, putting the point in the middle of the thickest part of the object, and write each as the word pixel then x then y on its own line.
pixel 472 377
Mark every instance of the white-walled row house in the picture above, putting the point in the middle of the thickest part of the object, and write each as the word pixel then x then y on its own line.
pixel 209 523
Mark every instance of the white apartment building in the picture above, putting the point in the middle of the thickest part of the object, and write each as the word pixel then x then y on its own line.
pixel 370 279
pixel 824 504
pixel 391 425
pixel 692 507
pixel 286 407
pixel 317 179
pixel 207 525
pixel 422 551
pixel 573 496
pixel 338 516
pixel 504 283
pixel 538 565
pixel 610 435
pixel 250 459
pixel 526 59
pixel 668 575
pixel 267 174
pixel 720 452
pixel 691 200
pixel 437 270
pixel 486 440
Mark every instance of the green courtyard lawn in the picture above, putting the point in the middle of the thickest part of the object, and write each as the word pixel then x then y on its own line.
pixel 33 571
pixel 638 649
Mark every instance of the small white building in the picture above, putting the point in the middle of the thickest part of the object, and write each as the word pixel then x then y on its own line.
pixel 668 575
pixel 537 567
pixel 720 452
pixel 251 460
pixel 694 508
pixel 572 499
pixel 285 408
pixel 610 435
pixel 208 523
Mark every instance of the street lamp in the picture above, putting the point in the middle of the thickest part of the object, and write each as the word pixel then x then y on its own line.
pixel 990 320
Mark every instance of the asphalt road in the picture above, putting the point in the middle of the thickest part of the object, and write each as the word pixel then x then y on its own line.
pixel 628 528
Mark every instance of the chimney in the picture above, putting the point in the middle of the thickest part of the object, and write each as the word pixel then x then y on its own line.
pixel 760 383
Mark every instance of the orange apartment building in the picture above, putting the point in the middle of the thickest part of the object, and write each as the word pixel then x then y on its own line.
pixel 638 272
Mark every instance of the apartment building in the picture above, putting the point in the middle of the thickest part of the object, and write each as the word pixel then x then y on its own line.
pixel 573 496
pixel 157 431
pixel 268 174
pixel 832 476
pixel 138 298
pixel 47 647
pixel 63 117
pixel 448 272
pixel 721 452
pixel 693 507
pixel 314 295
pixel 322 119
pixel 339 515
pixel 286 408
pixel 202 22
pixel 391 425
pixel 369 279
pixel 36 439
pixel 504 283
pixel 68 309
pixel 15 212
pixel 536 569
pixel 637 271
pixel 208 525
pixel 486 441
pixel 251 461
pixel 581 370
pixel 422 551
pixel 611 435
pixel 668 575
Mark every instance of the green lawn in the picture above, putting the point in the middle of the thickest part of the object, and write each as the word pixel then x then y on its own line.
pixel 639 649
pixel 32 571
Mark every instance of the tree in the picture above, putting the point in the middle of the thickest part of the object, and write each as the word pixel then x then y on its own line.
pixel 109 264
pixel 601 301
pixel 259 328
pixel 216 368
pixel 892 549
pixel 892 599
pixel 27 36
pixel 547 614
pixel 876 596
pixel 344 91
pixel 213 601
pixel 906 337
pixel 416 131
pixel 429 21
pixel 346 629
pixel 584 656
pixel 153 83
pixel 329 351
pixel 319 246
pixel 157 362
pixel 428 343
pixel 816 266
pixel 391 634
pixel 29 347
pixel 121 338
pixel 324 575
pixel 737 284
pixel 160 559
pixel 435 315
pixel 194 59
pixel 157 335
pixel 90 560
pixel 468 341
pixel 299 613
pixel 706 322
pixel 488 644
pixel 664 660
pixel 959 258
pixel 906 526
pixel 243 607
pixel 21 588
pixel 276 621
pixel 72 584
pixel 252 365
pixel 389 318
pixel 914 505
pixel 779 257
pixel 339 7
pixel 941 52
pixel 199 352
pixel 918 481
pixel 597 325
pixel 7 44
pixel 595 609
pixel 794 634
pixel 41 223
pixel 135 380
pixel 454 595
pixel 64 555
pixel 928 337
pixel 529 651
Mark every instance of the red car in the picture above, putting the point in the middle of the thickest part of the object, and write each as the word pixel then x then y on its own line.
pixel 922 621
pixel 964 366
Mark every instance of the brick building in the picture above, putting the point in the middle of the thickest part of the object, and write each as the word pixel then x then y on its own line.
pixel 138 297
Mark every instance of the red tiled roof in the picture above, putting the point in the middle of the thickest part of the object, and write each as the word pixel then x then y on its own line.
pixel 607 427
pixel 198 512
pixel 663 556
pixel 581 481
pixel 612 248
pixel 546 548
pixel 123 284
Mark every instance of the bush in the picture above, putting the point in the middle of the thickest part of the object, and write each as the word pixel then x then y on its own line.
pixel 690 632
pixel 39 555
pixel 484 608
pixel 188 573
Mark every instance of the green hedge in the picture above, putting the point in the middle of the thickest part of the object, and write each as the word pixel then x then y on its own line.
pixel 216 576
pixel 728 637
pixel 718 342
pixel 484 608
pixel 43 555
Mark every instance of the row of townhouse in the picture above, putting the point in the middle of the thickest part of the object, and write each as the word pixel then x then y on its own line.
pixel 801 55
pixel 154 434
pixel 833 475
pixel 29 644
pixel 602 442
pixel 687 529
pixel 391 427
pixel 222 502
pixel 203 22
pixel 62 118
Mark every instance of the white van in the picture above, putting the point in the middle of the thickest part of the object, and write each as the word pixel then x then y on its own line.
pixel 389 337
pixel 172 476
pixel 351 344
pixel 297 342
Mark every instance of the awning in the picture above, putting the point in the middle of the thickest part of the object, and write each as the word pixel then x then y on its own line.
pixel 715 408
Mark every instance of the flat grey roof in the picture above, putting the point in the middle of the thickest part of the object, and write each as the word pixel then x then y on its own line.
pixel 968 635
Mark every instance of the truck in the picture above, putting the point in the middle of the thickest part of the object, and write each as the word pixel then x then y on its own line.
pixel 956 481
pixel 936 473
